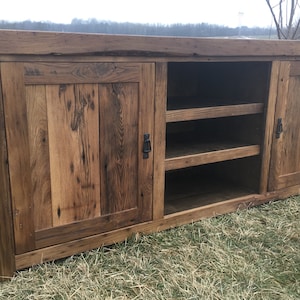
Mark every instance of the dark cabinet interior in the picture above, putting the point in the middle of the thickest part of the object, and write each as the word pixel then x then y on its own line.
pixel 214 131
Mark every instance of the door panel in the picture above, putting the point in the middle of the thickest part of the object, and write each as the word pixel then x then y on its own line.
pixel 285 162
pixel 76 130
pixel 118 140
pixel 39 155
pixel 73 126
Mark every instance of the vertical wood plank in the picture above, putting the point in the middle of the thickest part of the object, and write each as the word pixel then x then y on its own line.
pixel 73 125
pixel 290 162
pixel 280 111
pixel 159 140
pixel 269 127
pixel 7 251
pixel 146 125
pixel 118 146
pixel 39 155
pixel 19 156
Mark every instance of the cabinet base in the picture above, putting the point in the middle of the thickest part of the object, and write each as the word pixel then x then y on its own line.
pixel 172 220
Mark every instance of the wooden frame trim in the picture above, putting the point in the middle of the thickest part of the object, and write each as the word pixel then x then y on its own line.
pixel 13 89
pixel 191 160
pixel 213 112
pixel 282 92
pixel 43 73
pixel 70 248
pixel 269 127
pixel 159 140
pixel 7 248
pixel 58 43
pixel 76 230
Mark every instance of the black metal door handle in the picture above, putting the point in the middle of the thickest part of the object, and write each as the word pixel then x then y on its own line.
pixel 279 128
pixel 146 146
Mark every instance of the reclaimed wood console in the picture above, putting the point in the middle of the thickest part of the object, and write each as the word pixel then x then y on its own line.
pixel 104 136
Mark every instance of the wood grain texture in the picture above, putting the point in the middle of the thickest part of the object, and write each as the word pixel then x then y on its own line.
pixel 119 111
pixel 39 155
pixel 295 68
pixel 82 229
pixel 282 97
pixel 19 155
pixel 173 220
pixel 290 151
pixel 291 136
pixel 159 140
pixel 73 125
pixel 269 126
pixel 285 163
pixel 146 121
pixel 23 42
pixel 56 73
pixel 210 157
pixel 7 250
pixel 213 112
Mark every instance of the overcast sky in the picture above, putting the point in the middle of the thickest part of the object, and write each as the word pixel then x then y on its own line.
pixel 224 12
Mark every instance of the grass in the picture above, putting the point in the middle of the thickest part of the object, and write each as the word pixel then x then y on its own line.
pixel 250 254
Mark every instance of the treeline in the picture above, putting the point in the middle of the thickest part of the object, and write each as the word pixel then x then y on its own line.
pixel 107 27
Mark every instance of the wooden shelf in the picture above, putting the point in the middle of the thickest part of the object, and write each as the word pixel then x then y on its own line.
pixel 213 112
pixel 199 154
pixel 183 194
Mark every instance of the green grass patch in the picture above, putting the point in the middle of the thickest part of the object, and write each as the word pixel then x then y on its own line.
pixel 250 254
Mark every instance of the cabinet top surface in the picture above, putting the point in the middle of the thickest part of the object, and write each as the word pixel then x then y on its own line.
pixel 58 43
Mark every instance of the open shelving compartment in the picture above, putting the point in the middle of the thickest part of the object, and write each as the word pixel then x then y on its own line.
pixel 214 131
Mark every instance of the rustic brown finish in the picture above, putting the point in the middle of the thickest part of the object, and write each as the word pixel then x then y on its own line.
pixel 159 140
pixel 285 164
pixel 39 155
pixel 19 156
pixel 269 129
pixel 84 161
pixel 54 73
pixel 190 160
pixel 146 120
pixel 23 42
pixel 81 229
pixel 173 220
pixel 77 170
pixel 118 140
pixel 7 258
pixel 213 112
pixel 73 119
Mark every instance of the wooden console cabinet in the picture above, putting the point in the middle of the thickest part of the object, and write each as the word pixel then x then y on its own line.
pixel 104 136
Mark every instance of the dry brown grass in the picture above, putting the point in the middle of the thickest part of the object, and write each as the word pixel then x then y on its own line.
pixel 251 254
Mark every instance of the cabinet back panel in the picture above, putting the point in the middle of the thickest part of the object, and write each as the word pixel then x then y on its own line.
pixel 242 129
pixel 210 84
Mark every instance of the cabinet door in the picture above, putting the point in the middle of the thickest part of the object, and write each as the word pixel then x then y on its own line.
pixel 75 139
pixel 285 159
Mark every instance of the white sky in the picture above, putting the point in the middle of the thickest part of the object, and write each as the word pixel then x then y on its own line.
pixel 224 12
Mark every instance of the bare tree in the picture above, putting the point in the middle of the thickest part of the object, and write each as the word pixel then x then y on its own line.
pixel 286 16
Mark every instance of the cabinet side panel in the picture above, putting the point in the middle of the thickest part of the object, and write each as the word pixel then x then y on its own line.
pixel 18 155
pixel 118 146
pixel 74 151
pixel 7 251
pixel 39 155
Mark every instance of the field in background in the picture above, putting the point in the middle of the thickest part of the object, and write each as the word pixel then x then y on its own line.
pixel 251 254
